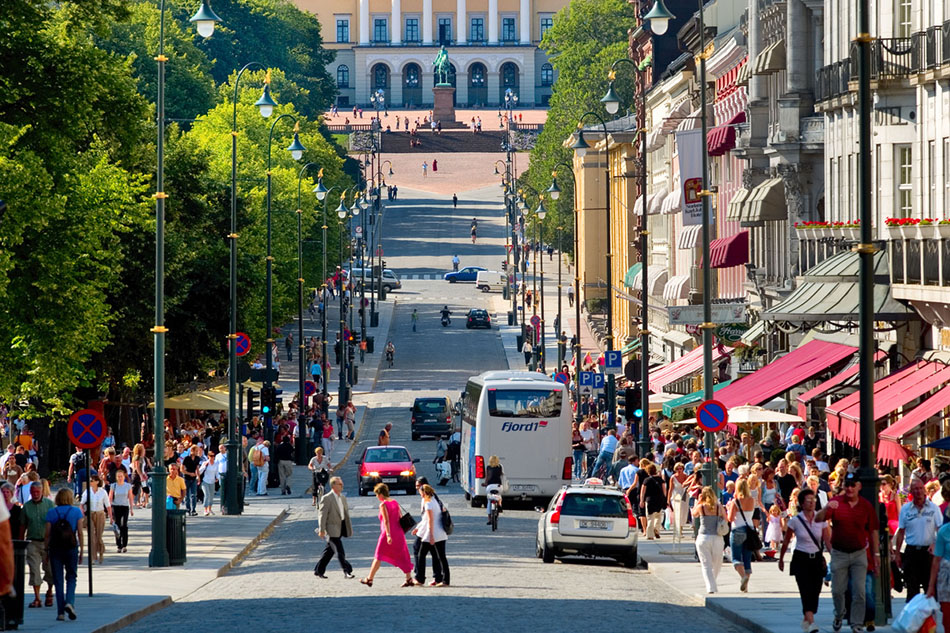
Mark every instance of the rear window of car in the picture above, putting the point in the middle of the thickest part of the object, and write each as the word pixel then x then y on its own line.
pixel 479 313
pixel 582 504
pixel 430 406
pixel 377 455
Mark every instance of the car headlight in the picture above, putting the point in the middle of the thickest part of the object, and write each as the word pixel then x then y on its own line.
pixel 407 473
pixel 373 473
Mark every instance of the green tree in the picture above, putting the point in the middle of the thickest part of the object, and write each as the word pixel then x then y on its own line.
pixel 585 39
pixel 278 35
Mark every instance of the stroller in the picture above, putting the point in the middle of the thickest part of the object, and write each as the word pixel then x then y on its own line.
pixel 444 469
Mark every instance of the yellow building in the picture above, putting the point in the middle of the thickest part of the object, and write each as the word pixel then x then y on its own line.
pixel 390 45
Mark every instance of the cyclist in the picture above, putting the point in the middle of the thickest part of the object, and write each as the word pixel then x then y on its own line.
pixel 390 352
pixel 455 263
pixel 474 223
pixel 494 482
pixel 446 313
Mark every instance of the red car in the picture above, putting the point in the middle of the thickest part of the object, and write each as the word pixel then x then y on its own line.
pixel 391 465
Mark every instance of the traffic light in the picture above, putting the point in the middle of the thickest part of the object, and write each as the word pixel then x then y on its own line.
pixel 268 400
pixel 633 403
pixel 252 403
pixel 621 403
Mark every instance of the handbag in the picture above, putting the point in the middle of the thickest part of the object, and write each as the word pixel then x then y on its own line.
pixel 406 522
pixel 752 540
pixel 722 525
pixel 447 524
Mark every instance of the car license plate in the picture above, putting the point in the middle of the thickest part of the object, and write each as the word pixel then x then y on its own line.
pixel 390 480
pixel 524 487
pixel 595 525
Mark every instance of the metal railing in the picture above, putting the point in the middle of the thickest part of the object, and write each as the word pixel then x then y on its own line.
pixel 931 263
pixel 832 80
pixel 945 42
pixel 891 57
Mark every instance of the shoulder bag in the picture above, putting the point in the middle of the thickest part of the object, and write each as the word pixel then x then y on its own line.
pixel 406 522
pixel 752 540
pixel 819 544
pixel 722 525
pixel 447 524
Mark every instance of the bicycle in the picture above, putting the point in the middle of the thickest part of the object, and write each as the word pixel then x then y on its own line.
pixel 389 358
pixel 493 497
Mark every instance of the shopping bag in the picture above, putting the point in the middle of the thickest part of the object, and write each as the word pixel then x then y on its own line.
pixel 915 612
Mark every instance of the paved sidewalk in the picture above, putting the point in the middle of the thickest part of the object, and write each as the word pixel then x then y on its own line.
pixel 772 604
pixel 126 589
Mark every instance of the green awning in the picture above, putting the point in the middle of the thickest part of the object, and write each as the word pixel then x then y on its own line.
pixel 632 274
pixel 689 399
pixel 630 347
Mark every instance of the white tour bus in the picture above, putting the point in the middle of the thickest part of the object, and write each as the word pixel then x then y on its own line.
pixel 525 419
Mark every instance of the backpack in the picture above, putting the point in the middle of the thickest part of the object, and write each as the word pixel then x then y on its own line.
pixel 257 457
pixel 62 536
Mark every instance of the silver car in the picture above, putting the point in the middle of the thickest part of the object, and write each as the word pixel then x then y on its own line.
pixel 590 520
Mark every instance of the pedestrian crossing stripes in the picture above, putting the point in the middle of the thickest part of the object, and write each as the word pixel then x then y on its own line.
pixel 430 276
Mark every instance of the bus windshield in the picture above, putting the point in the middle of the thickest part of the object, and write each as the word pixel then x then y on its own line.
pixel 524 403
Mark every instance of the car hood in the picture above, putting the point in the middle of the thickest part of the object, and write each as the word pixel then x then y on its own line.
pixel 388 466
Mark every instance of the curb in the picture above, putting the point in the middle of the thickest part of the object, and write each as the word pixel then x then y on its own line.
pixel 135 616
pixel 250 547
pixel 356 437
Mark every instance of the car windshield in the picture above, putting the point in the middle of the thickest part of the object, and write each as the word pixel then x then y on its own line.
pixel 524 403
pixel 430 406
pixel 378 455
pixel 582 504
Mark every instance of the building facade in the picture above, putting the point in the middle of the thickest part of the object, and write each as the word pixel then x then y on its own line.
pixel 493 46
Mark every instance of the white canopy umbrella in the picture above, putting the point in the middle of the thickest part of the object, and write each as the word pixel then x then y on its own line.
pixel 749 414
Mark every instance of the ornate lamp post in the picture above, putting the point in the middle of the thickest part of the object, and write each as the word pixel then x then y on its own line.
pixel 301 409
pixel 323 196
pixel 204 20
pixel 577 279
pixel 265 105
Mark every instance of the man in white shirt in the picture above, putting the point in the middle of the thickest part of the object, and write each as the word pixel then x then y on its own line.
pixel 11 451
pixel 917 524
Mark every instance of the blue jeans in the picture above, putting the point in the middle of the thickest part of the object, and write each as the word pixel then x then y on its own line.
pixel 578 463
pixel 68 562
pixel 591 458
pixel 339 428
pixel 79 478
pixel 740 554
pixel 191 494
pixel 604 459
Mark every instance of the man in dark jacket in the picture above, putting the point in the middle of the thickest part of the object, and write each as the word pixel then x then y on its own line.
pixel 284 454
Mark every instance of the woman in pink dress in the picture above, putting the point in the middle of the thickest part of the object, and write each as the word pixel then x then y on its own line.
pixel 391 547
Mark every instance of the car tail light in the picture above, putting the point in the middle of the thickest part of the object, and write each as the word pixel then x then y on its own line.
pixel 448 419
pixel 479 467
pixel 556 515
pixel 631 520
pixel 413 420
pixel 567 471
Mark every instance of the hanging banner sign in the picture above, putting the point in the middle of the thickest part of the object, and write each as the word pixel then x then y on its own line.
pixel 690 147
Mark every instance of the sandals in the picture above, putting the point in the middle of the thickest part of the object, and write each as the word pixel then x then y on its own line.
pixel 408 583
pixel 366 581
pixel 35 604
pixel 49 599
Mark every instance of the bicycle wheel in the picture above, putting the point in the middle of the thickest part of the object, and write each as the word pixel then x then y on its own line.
pixel 494 517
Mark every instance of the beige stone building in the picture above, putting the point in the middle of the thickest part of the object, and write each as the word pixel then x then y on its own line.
pixel 390 45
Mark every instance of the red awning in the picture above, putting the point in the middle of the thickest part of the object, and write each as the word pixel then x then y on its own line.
pixel 912 421
pixel 689 363
pixel 794 368
pixel 727 252
pixel 890 452
pixel 896 390
pixel 830 384
pixel 722 138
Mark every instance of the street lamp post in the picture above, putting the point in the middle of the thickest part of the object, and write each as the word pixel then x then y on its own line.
pixel 204 20
pixel 555 192
pixel 296 150
pixel 344 392
pixel 612 104
pixel 659 17
pixel 580 147
pixel 510 102
pixel 541 212
pixel 323 196
pixel 265 105
pixel 378 100
pixel 302 398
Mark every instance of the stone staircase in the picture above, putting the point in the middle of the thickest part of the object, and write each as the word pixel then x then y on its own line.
pixel 448 141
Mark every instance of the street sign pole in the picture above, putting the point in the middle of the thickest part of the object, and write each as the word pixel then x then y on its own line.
pixel 89 518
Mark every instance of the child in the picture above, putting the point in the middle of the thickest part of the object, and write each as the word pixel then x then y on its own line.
pixel 729 493
pixel 775 530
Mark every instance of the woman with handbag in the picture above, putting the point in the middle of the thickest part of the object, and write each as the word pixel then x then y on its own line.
pixel 653 501
pixel 713 526
pixel 432 537
pixel 678 500
pixel 808 560
pixel 744 538
pixel 391 547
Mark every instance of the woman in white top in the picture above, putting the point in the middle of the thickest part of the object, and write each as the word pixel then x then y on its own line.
pixel 208 474
pixel 432 536
pixel 678 501
pixel 99 508
pixel 808 561
pixel 320 468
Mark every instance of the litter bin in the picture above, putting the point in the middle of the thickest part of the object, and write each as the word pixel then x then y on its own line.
pixel 511 318
pixel 382 293
pixel 374 319
pixel 175 536
pixel 13 605
pixel 370 344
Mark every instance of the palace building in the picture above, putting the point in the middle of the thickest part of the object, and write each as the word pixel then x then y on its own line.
pixel 493 46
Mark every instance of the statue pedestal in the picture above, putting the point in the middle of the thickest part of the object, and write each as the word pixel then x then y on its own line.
pixel 444 107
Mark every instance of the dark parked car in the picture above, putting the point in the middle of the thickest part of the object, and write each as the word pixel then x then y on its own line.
pixel 431 416
pixel 469 273
pixel 478 318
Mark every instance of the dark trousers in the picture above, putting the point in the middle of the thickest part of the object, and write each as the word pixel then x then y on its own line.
pixel 334 548
pixel 809 575
pixel 916 563
pixel 121 516
pixel 440 567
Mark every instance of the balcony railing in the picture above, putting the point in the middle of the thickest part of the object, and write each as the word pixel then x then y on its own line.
pixel 945 42
pixel 891 57
pixel 832 80
pixel 920 257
